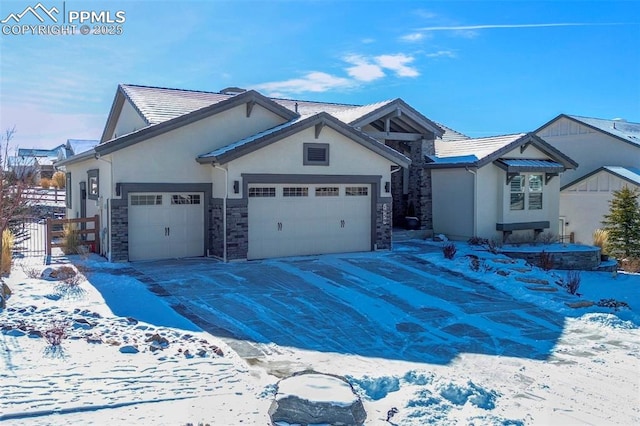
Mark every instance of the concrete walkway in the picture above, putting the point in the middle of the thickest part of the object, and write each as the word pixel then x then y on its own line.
pixel 392 305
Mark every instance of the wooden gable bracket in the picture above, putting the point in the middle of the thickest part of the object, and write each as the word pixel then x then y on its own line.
pixel 524 147
pixel 319 127
pixel 387 119
pixel 548 177
pixel 250 105
pixel 510 176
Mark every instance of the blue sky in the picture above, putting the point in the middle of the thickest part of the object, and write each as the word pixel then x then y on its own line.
pixel 480 67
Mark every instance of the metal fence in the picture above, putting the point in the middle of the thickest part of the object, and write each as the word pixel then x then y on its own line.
pixel 29 236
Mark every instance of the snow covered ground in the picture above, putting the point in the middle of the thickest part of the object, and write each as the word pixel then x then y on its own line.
pixel 184 375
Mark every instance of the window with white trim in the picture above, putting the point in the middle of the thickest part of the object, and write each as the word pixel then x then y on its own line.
pixel 185 199
pixel 296 191
pixel 316 154
pixel 262 192
pixel 351 191
pixel 327 191
pixel 146 200
pixel 93 187
pixel 526 192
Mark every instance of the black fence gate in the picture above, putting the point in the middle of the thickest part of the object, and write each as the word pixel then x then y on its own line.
pixel 29 236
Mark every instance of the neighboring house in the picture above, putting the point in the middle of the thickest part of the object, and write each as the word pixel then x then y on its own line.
pixel 78 146
pixel 238 175
pixel 36 162
pixel 495 186
pixel 608 154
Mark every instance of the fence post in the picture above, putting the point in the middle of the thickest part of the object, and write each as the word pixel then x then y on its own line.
pixel 48 242
pixel 96 233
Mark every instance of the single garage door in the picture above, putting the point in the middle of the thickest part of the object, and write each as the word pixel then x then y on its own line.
pixel 291 220
pixel 165 225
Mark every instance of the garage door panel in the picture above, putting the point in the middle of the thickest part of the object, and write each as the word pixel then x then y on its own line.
pixel 165 225
pixel 298 225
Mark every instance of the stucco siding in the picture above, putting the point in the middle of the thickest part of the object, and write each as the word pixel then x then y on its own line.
pixel 590 149
pixel 453 203
pixel 129 121
pixel 584 204
pixel 285 156
pixel 171 156
pixel 489 209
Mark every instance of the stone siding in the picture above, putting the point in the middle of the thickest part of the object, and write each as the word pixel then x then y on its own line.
pixel 237 229
pixel 216 228
pixel 119 231
pixel 384 221
pixel 582 259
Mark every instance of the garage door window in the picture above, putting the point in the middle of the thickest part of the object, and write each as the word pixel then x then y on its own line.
pixel 262 192
pixel 355 191
pixel 297 191
pixel 327 191
pixel 146 200
pixel 185 199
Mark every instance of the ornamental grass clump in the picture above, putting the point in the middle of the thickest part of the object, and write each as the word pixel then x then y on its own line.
pixel 7 250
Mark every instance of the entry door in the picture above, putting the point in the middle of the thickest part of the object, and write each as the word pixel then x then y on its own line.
pixel 165 225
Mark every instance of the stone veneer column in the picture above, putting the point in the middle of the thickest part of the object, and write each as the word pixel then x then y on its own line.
pixel 119 231
pixel 216 228
pixel 420 193
pixel 384 220
pixel 237 229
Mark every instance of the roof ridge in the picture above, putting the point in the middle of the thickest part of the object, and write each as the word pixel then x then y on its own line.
pixel 617 120
pixel 173 89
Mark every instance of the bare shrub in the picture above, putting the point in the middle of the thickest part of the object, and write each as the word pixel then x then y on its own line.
pixel 449 251
pixel 31 272
pixel 630 265
pixel 572 282
pixel 547 238
pixel 474 262
pixel 546 260
pixel 56 333
pixel 477 241
pixel 494 245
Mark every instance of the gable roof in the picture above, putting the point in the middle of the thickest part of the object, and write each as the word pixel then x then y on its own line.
pixel 630 174
pixel 478 152
pixel 260 140
pixel 195 115
pixel 623 130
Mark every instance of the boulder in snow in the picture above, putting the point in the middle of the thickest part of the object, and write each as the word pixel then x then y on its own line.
pixel 312 398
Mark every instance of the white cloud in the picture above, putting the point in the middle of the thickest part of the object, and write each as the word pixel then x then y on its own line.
pixel 413 37
pixel 314 81
pixel 497 26
pixel 362 69
pixel 441 54
pixel 398 64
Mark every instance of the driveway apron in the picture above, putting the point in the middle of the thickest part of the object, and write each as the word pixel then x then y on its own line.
pixel 392 305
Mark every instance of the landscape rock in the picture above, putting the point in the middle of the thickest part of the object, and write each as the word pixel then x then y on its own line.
pixel 314 398
pixel 129 349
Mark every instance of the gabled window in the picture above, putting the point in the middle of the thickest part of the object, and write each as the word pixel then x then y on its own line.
pixel 316 154
pixel 93 184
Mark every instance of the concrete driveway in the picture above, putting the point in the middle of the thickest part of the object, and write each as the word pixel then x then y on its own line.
pixel 391 305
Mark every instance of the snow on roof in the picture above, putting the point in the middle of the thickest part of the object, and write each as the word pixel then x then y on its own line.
pixel 252 138
pixel 623 129
pixel 79 146
pixel 630 173
pixel 447 151
pixel 531 163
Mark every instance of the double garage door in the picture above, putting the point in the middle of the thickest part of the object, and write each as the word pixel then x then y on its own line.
pixel 295 219
pixel 165 225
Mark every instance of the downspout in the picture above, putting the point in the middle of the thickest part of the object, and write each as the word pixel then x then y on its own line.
pixel 107 201
pixel 475 200
pixel 224 210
